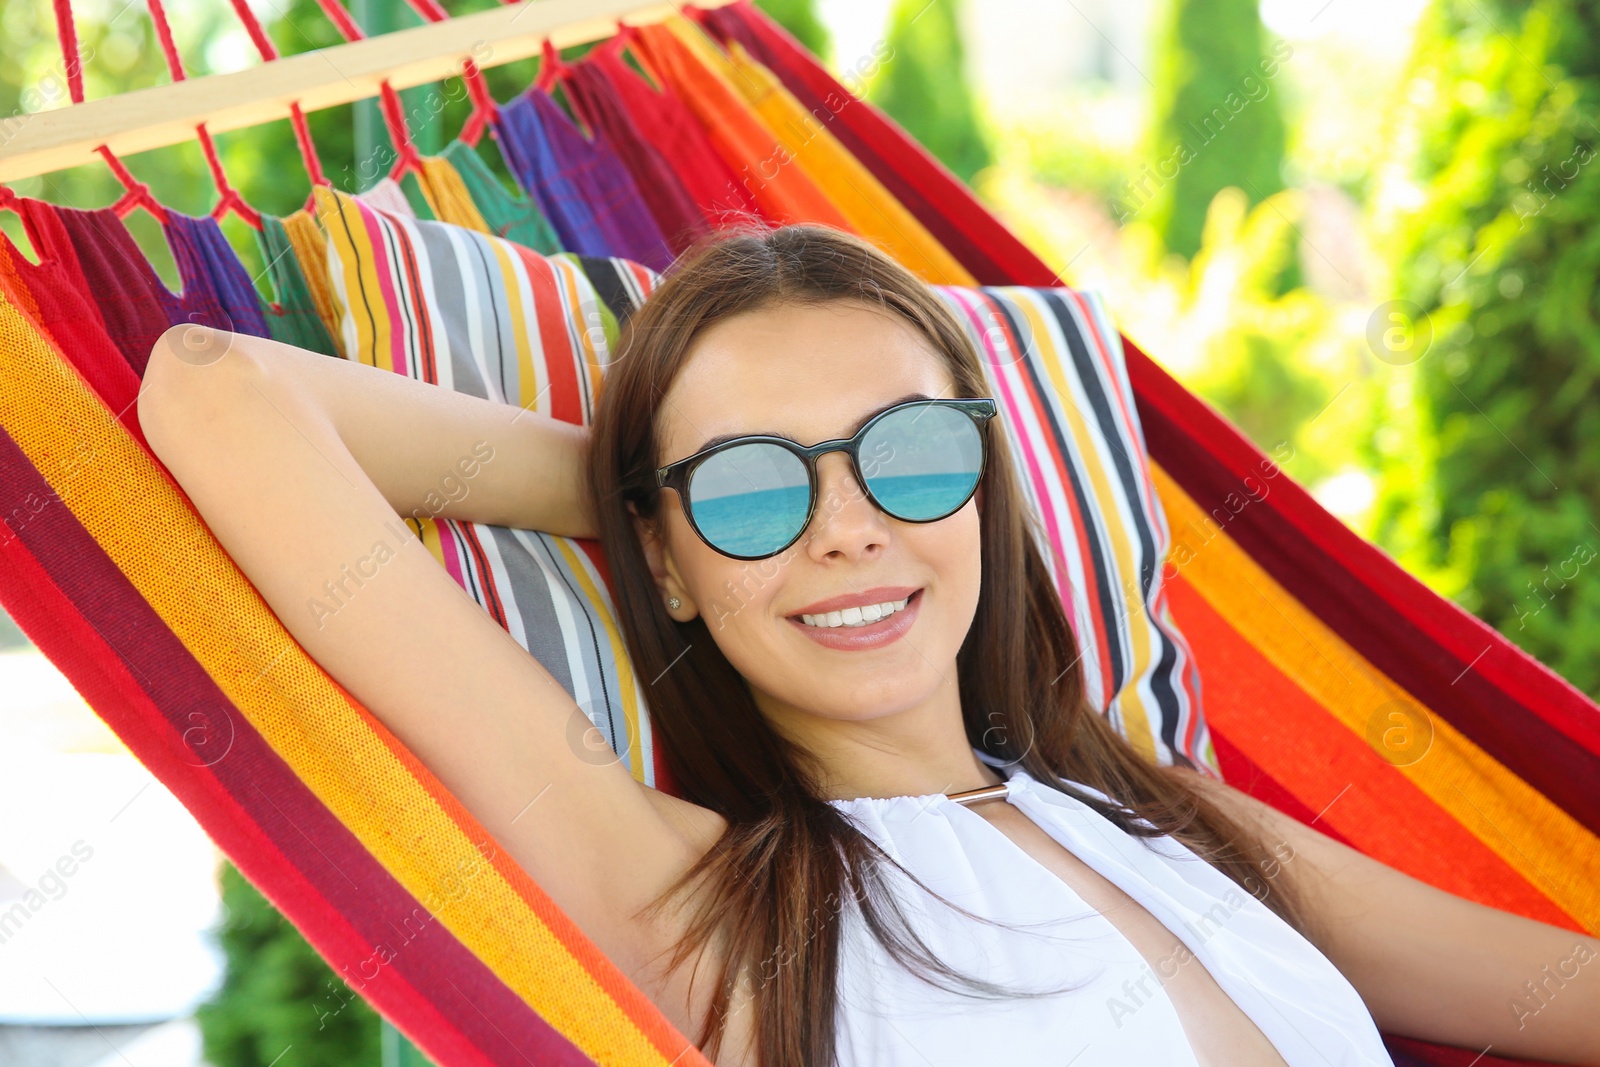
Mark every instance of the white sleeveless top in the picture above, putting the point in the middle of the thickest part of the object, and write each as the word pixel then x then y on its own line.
pixel 1119 1016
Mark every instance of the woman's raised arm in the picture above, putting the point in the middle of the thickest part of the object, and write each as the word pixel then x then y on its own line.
pixel 273 446
pixel 432 452
pixel 1430 964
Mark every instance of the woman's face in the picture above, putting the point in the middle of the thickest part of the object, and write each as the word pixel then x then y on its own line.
pixel 815 373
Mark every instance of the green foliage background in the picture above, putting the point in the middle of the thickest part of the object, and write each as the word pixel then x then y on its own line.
pixel 1487 447
pixel 923 84
pixel 800 18
pixel 1205 52
pixel 278 994
pixel 1495 491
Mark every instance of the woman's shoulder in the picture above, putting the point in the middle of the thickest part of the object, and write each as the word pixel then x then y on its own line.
pixel 696 823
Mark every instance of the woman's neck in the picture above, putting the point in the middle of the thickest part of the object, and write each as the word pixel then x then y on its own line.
pixel 911 752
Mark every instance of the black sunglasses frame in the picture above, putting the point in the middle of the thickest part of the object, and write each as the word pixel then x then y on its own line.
pixel 675 476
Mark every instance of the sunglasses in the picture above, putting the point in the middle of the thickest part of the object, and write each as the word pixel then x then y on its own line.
pixel 752 497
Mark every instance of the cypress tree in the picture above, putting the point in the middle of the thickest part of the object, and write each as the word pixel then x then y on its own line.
pixel 922 84
pixel 277 993
pixel 1498 498
pixel 1217 119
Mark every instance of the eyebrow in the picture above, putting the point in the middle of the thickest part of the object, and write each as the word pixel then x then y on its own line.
pixel 722 438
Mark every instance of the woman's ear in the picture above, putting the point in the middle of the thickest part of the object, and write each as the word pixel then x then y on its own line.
pixel 661 569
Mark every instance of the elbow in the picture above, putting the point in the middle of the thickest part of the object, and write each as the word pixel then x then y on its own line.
pixel 193 374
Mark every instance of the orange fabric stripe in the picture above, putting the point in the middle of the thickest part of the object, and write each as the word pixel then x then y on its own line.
pixel 1283 649
pixel 857 193
pixel 782 191
pixel 1292 737
pixel 389 801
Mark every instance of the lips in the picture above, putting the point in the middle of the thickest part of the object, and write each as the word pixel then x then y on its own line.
pixel 885 631
pixel 883 594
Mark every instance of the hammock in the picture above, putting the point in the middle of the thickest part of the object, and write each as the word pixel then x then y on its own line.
pixel 1336 687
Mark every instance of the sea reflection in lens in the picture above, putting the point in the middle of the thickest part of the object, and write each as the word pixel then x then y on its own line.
pixel 750 500
pixel 927 460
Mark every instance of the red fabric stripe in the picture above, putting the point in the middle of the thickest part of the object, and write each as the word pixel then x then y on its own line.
pixel 1245 775
pixel 564 400
pixel 301 838
pixel 1073 491
pixel 924 185
pixel 56 285
pixel 54 624
pixel 1341 579
pixel 1407 1051
pixel 468 536
pixel 1262 711
pixel 413 292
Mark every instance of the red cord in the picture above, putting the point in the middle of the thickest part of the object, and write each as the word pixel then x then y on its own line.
pixel 158 15
pixel 550 67
pixel 613 46
pixel 228 197
pixel 230 200
pixel 484 109
pixel 297 118
pixel 67 34
pixel 395 120
pixel 429 10
pixel 138 194
pixel 252 26
pixel 341 20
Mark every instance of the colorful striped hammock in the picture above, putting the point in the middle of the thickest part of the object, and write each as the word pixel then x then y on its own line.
pixel 1338 688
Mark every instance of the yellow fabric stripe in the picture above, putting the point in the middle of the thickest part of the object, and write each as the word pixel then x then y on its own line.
pixel 138 517
pixel 357 276
pixel 311 249
pixel 1043 330
pixel 517 277
pixel 447 195
pixel 875 213
pixel 579 567
pixel 1535 837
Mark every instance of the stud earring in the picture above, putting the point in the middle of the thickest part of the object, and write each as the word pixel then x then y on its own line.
pixel 673 603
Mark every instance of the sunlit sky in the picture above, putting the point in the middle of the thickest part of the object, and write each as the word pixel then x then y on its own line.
pixel 1026 40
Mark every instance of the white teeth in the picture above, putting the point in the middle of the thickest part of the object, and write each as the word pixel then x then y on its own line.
pixel 861 616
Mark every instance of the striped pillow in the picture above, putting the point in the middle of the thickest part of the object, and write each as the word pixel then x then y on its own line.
pixel 478 314
pixel 1055 366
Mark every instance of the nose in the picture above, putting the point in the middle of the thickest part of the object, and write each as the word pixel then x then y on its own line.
pixel 846 522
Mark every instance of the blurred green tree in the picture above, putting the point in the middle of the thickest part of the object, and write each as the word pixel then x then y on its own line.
pixel 800 18
pixel 1500 502
pixel 1216 121
pixel 922 83
pixel 278 993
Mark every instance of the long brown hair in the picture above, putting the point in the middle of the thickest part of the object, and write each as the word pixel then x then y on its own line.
pixel 773 886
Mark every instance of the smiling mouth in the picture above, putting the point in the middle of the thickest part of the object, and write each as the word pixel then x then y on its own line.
pixel 861 636
pixel 855 618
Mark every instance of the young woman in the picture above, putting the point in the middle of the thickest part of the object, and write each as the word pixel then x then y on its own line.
pixel 906 839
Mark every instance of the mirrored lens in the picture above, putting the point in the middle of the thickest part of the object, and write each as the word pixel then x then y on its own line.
pixel 923 462
pixel 750 500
